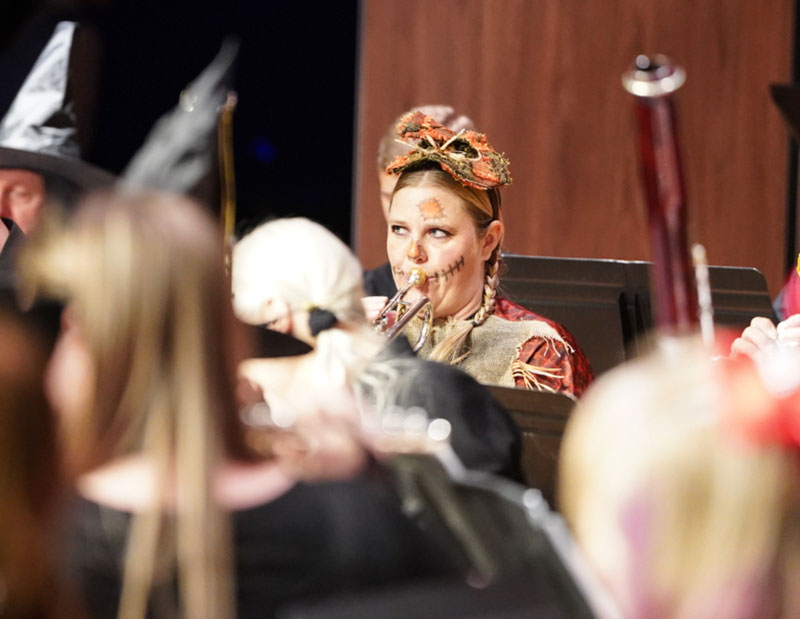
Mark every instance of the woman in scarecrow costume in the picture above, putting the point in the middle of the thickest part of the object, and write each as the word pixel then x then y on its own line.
pixel 445 219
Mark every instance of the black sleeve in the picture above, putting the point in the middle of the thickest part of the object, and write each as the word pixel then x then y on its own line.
pixel 483 434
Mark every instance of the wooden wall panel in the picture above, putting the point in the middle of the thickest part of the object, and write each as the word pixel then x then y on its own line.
pixel 542 79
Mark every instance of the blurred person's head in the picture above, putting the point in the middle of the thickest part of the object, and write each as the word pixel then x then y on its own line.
pixel 145 364
pixel 681 503
pixel 147 314
pixel 30 477
pixel 296 276
pixel 22 196
pixel 389 148
pixel 24 193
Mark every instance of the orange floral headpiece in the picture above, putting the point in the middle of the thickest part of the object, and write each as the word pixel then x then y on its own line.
pixel 467 156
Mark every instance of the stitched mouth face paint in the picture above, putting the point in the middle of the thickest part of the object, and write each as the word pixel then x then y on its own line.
pixel 451 270
pixel 430 228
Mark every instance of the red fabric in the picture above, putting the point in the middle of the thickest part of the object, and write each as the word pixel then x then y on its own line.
pixel 575 371
pixel 753 413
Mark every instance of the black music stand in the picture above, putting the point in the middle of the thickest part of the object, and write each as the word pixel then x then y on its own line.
pixel 541 418
pixel 605 304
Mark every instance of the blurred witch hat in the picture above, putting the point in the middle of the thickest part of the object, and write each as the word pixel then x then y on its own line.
pixel 39 130
pixel 179 154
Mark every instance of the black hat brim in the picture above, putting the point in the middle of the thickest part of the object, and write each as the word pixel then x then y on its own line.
pixel 83 175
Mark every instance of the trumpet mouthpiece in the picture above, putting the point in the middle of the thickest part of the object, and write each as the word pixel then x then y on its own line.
pixel 416 277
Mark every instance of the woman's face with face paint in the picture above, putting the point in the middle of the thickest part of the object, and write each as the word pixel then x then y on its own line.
pixel 430 228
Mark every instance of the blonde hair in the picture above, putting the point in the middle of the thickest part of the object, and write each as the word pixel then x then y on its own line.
pixel 484 207
pixel 144 276
pixel 304 264
pixel 389 148
pixel 678 517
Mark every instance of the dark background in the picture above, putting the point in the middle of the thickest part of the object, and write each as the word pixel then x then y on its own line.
pixel 293 127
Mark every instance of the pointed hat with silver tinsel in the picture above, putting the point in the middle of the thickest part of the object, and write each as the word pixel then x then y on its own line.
pixel 39 130
pixel 181 148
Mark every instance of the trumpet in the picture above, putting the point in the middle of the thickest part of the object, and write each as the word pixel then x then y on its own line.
pixel 405 311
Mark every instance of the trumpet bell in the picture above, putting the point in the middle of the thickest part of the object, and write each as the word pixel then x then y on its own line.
pixel 404 311
pixel 424 307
